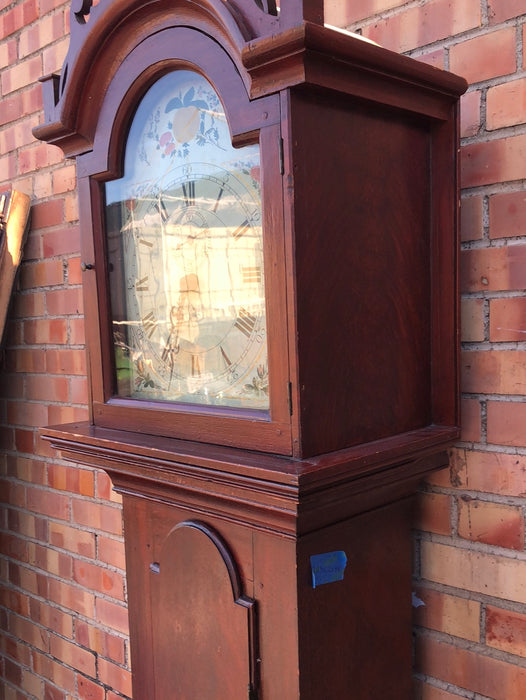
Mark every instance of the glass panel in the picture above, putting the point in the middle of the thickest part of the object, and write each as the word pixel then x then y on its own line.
pixel 184 239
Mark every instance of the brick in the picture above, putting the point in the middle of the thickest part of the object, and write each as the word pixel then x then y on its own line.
pixel 29 304
pixel 466 668
pixel 25 442
pixel 40 331
pixel 507 423
pixel 101 642
pixel 113 696
pixel 470 116
pixel 20 15
pixel 433 513
pixel 64 179
pixel 64 302
pixel 25 469
pixel 51 561
pixel 98 516
pixel 493 269
pixel 485 56
pixel 49 29
pixel 20 74
pixel 498 160
pixel 459 617
pixel 507 319
pixel 53 56
pixel 50 669
pixel 65 361
pixel 506 630
pixel 45 273
pixel 506 104
pixel 89 690
pixel 48 503
pixel 115 677
pixel 71 597
pixel 74 271
pixel 72 539
pixel 472 320
pixel 15 136
pixel 433 58
pixel 52 618
pixel 15 494
pixel 501 10
pixel 14 547
pixel 471 417
pixel 492 523
pixel 494 372
pixel 27 413
pixel 507 214
pixel 98 578
pixel 112 615
pixel 28 525
pixel 51 692
pixel 77 335
pixel 79 390
pixel 32 684
pixel 26 631
pixel 15 649
pixel 46 214
pixel 71 478
pixel 42 387
pixel 341 14
pixel 30 580
pixel 73 655
pixel 111 551
pixel 474 571
pixel 424 24
pixel 491 472
pixel 61 242
pixel 104 488
pixel 67 414
pixel 15 601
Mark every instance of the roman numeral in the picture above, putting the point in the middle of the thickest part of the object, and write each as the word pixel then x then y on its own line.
pixel 245 322
pixel 251 275
pixel 189 193
pixel 150 324
pixel 142 285
pixel 163 211
pixel 144 242
pixel 225 357
pixel 218 199
pixel 240 230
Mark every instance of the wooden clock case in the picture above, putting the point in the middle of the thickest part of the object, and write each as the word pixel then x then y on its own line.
pixel 224 510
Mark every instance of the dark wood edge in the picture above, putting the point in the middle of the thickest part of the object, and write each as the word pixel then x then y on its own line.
pixel 267 492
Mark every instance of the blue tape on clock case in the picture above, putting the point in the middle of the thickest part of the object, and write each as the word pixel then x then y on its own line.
pixel 327 567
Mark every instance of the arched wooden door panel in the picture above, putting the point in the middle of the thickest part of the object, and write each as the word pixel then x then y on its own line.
pixel 204 627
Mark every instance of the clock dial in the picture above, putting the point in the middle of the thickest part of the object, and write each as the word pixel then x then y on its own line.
pixel 185 246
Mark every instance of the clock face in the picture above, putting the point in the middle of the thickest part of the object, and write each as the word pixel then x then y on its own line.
pixel 185 247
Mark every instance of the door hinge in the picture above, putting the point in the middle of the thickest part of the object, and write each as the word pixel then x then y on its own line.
pixel 252 692
pixel 281 158
pixel 290 397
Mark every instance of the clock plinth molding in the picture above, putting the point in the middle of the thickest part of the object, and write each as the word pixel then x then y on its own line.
pixel 358 155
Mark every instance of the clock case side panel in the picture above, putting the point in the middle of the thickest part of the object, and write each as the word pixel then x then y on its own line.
pixel 189 49
pixel 373 212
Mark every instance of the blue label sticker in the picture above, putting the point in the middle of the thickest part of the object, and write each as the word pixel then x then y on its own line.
pixel 327 567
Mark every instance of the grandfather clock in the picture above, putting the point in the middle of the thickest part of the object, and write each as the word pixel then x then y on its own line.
pixel 268 213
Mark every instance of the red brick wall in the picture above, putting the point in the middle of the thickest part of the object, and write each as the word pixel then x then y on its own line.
pixel 62 584
pixel 470 563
